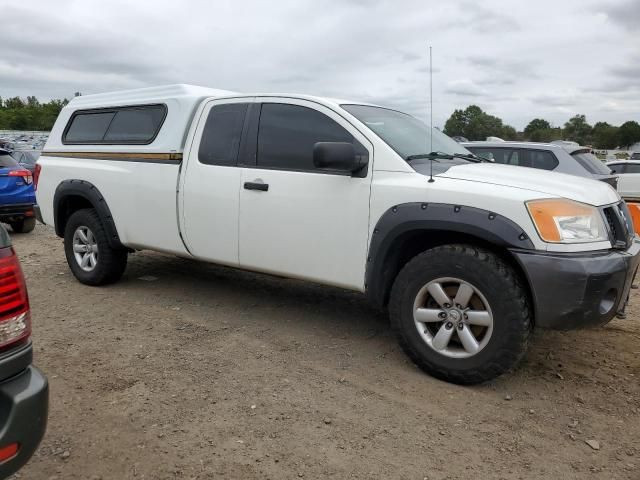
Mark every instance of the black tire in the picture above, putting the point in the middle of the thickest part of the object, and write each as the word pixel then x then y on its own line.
pixel 500 286
pixel 25 225
pixel 111 262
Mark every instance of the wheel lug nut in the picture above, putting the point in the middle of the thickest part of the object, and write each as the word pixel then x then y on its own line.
pixel 465 316
pixel 447 305
pixel 442 315
pixel 460 326
pixel 449 326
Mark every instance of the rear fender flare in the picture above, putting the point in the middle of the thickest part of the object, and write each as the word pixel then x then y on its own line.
pixel 88 191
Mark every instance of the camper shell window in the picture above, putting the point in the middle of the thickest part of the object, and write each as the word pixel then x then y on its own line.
pixel 136 125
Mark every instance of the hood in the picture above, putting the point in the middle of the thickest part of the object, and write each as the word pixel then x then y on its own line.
pixel 547 183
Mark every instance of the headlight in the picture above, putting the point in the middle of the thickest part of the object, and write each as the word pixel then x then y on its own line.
pixel 566 221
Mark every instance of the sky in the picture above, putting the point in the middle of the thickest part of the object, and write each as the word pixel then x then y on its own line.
pixel 516 59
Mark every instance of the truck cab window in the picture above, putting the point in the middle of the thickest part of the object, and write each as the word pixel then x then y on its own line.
pixel 221 135
pixel 287 134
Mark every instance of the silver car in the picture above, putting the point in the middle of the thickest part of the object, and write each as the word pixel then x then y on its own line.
pixel 564 158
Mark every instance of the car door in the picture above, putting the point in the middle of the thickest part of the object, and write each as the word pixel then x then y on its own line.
pixel 210 182
pixel 297 220
pixel 628 179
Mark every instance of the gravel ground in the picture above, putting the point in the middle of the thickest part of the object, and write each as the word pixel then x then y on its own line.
pixel 190 371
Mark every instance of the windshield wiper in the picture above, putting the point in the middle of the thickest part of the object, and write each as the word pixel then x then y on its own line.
pixel 446 156
pixel 473 158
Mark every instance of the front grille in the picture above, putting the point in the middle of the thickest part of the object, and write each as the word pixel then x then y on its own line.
pixel 610 222
pixel 618 225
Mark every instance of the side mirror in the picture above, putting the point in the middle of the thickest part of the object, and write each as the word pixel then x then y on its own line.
pixel 338 156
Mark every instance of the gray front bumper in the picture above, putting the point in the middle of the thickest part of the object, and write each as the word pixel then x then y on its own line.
pixel 574 290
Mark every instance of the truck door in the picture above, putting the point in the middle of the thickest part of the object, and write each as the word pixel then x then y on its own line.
pixel 210 183
pixel 295 219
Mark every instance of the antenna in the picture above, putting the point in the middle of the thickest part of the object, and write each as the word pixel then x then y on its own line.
pixel 431 180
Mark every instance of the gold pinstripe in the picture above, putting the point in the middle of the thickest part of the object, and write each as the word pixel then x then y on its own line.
pixel 173 156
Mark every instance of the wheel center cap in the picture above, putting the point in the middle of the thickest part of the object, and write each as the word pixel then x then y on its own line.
pixel 454 315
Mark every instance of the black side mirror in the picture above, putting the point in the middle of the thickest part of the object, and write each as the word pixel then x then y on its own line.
pixel 338 156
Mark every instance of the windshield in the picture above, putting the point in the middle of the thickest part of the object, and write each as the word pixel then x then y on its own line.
pixel 590 162
pixel 405 134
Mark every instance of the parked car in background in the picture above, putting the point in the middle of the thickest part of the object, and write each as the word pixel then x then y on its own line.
pixel 558 157
pixel 635 156
pixel 17 197
pixel 24 391
pixel 26 158
pixel 628 172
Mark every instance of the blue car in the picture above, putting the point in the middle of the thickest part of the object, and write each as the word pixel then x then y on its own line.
pixel 17 197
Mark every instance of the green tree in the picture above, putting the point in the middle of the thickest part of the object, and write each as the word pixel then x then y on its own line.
pixel 629 133
pixel 14 103
pixel 536 125
pixel 578 130
pixel 605 136
pixel 16 114
pixel 474 124
pixel 33 102
pixel 509 133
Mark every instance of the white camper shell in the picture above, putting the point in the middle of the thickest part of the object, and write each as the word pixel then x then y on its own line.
pixel 181 102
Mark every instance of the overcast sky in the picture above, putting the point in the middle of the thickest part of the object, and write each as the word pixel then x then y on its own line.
pixel 516 59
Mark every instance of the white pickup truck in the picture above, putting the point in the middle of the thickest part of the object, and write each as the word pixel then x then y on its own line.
pixel 467 255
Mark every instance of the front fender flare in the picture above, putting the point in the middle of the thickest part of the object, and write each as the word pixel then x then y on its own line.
pixel 409 217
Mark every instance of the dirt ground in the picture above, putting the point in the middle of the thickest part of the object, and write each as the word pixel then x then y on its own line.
pixel 191 371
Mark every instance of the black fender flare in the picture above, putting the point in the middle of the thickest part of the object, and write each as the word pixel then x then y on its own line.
pixel 405 218
pixel 88 191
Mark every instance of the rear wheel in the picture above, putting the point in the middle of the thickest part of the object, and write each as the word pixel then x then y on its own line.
pixel 25 225
pixel 461 313
pixel 91 259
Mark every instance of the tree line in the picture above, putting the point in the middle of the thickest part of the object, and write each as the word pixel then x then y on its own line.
pixel 475 124
pixel 472 123
pixel 29 114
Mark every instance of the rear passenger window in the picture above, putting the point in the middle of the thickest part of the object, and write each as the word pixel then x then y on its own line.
pixel 498 155
pixel 287 134
pixel 521 157
pixel 221 135
pixel 117 126
pixel 541 159
pixel 632 168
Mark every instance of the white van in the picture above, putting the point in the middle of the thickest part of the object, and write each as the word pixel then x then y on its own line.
pixel 467 255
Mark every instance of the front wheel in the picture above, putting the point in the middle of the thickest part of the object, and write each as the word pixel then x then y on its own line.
pixel 90 256
pixel 461 313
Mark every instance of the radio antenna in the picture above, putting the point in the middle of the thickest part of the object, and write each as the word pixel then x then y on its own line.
pixel 431 180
